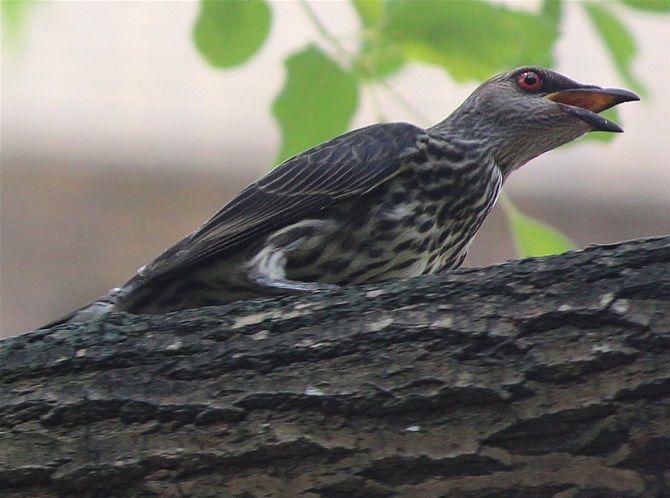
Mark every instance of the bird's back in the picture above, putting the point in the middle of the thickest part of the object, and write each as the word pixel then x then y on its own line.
pixel 420 220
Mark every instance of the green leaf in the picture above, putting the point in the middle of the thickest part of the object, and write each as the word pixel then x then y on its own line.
pixel 551 10
pixel 317 102
pixel 649 5
pixel 13 17
pixel 471 39
pixel 369 11
pixel 532 237
pixel 618 41
pixel 228 32
pixel 378 58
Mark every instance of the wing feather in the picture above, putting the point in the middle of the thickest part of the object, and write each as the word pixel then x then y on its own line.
pixel 343 167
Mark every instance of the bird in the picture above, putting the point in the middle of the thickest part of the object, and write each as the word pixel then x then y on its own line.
pixel 386 201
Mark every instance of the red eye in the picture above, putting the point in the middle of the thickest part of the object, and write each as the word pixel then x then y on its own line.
pixel 529 80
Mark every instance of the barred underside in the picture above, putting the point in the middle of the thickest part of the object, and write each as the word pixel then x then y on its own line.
pixel 419 222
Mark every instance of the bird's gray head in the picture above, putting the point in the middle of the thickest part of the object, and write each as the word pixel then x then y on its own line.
pixel 528 111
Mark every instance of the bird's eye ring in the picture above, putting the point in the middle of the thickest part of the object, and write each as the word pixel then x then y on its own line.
pixel 529 80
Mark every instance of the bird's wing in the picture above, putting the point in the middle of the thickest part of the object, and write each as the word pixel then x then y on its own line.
pixel 341 168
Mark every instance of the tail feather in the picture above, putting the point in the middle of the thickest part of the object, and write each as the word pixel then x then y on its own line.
pixel 92 311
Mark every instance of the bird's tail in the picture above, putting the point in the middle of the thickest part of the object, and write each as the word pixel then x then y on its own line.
pixel 93 310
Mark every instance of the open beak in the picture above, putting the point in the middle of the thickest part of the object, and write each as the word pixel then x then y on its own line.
pixel 586 102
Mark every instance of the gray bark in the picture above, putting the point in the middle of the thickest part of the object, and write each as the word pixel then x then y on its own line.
pixel 541 377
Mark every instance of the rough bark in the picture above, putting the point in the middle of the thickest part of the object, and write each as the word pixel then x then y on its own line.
pixel 541 377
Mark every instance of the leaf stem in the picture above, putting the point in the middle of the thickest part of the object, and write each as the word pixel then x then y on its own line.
pixel 342 52
pixel 405 104
pixel 321 29
pixel 375 102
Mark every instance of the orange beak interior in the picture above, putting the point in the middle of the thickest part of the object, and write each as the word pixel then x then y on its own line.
pixel 591 101
pixel 594 100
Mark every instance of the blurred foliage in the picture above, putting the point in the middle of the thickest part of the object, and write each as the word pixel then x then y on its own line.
pixel 533 237
pixel 327 95
pixel 13 18
pixel 618 40
pixel 470 40
pixel 650 5
pixel 229 32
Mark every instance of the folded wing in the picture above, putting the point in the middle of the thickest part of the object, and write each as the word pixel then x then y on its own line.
pixel 344 167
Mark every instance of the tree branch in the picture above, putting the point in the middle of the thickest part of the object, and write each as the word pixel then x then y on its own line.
pixel 540 377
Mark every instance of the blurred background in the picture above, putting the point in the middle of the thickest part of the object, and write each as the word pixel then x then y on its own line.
pixel 118 139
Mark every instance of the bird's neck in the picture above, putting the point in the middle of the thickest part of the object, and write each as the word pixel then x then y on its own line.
pixel 463 130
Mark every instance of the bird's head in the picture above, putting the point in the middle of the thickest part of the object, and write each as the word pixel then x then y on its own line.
pixel 531 110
